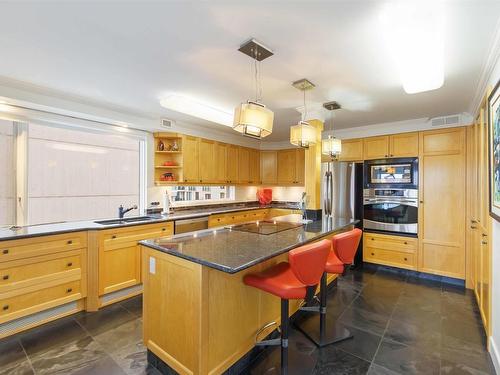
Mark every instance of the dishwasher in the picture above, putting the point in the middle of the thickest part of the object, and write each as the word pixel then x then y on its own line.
pixel 191 225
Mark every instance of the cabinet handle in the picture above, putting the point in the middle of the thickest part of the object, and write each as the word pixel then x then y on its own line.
pixel 373 239
pixel 5 277
pixel 69 242
pixel 163 229
pixel 484 235
pixel 69 290
pixel 406 243
pixel 5 251
pixel 473 227
pixel 473 221
pixel 421 202
pixel 5 307
pixel 373 253
pixel 70 264
pixel 484 242
pixel 113 236
pixel 406 259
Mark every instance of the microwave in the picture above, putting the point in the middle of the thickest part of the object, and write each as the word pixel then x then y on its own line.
pixel 391 173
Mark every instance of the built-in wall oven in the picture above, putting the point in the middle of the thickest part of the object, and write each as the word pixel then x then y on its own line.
pixel 391 210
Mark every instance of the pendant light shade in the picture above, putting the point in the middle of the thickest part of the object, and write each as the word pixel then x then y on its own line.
pixel 253 120
pixel 331 146
pixel 302 135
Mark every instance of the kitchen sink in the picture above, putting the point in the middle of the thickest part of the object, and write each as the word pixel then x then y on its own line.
pixel 125 220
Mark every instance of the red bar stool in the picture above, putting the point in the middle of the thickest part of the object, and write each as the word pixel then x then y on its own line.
pixel 344 248
pixel 296 279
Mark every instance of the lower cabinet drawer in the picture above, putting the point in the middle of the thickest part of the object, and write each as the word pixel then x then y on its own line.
pixel 29 303
pixel 389 258
pixel 37 270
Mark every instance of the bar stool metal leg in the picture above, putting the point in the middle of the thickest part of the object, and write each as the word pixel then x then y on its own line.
pixel 284 336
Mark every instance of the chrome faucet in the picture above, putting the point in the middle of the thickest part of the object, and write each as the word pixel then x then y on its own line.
pixel 122 211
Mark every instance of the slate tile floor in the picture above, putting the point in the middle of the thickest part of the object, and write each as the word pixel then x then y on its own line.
pixel 401 325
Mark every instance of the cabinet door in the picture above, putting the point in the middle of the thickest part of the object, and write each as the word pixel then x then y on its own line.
pixel 244 165
pixel 300 166
pixel 254 166
pixel 220 162
pixel 442 202
pixel 120 268
pixel 352 150
pixel 232 164
pixel 269 167
pixel 404 145
pixel 207 161
pixel 287 166
pixel 376 147
pixel 190 157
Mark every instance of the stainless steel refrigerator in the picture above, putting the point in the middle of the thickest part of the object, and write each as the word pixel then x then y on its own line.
pixel 342 193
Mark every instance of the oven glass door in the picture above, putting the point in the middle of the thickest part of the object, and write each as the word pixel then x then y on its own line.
pixel 391 174
pixel 391 216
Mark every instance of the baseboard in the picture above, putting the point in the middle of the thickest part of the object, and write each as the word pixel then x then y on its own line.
pixel 495 355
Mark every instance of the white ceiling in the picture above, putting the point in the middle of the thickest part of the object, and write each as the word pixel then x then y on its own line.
pixel 133 53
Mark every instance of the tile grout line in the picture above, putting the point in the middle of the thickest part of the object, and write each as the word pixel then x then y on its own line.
pixel 27 356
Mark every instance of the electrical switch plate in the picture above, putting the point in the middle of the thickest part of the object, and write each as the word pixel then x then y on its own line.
pixel 152 265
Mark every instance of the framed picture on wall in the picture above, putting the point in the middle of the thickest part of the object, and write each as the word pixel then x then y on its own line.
pixel 494 151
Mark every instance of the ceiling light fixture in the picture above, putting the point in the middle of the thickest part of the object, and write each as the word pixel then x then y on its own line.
pixel 331 146
pixel 303 134
pixel 252 118
pixel 414 33
pixel 197 109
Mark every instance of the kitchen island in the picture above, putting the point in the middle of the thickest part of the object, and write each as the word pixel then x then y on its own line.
pixel 199 316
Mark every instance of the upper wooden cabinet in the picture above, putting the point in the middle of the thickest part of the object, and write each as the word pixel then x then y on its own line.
pixel 254 177
pixel 220 153
pixel 291 167
pixel 244 165
pixel 269 167
pixel 207 161
pixel 232 164
pixel 352 150
pixel 190 153
pixel 390 146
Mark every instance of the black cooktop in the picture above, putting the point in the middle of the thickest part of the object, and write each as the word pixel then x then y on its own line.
pixel 266 227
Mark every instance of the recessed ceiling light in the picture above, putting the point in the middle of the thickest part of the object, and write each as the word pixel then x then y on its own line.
pixel 414 33
pixel 197 109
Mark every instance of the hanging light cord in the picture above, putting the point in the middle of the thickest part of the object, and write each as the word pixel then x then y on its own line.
pixel 304 112
pixel 257 77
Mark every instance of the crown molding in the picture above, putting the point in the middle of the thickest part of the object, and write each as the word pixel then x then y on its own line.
pixel 492 60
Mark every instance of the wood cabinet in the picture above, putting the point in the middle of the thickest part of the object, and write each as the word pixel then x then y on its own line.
pixel 389 250
pixel 389 146
pixel 269 167
pixel 254 175
pixel 442 202
pixel 206 161
pixel 190 155
pixel 243 165
pixel 352 150
pixel 291 167
pixel 119 256
pixel 220 162
pixel 238 217
pixel 232 164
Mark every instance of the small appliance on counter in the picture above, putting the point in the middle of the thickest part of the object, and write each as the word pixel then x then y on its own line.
pixel 154 209
pixel 265 196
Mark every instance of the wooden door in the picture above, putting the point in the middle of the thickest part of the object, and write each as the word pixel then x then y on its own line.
pixel 403 145
pixel 244 165
pixel 442 202
pixel 254 166
pixel 352 150
pixel 269 167
pixel 376 147
pixel 287 166
pixel 232 164
pixel 206 161
pixel 190 156
pixel 220 162
pixel 300 166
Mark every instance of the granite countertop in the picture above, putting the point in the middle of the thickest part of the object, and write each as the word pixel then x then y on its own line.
pixel 77 226
pixel 231 251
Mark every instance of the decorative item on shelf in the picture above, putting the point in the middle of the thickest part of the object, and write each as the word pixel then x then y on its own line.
pixel 161 146
pixel 175 146
pixel 168 147
pixel 494 151
pixel 169 176
pixel 303 134
pixel 331 146
pixel 252 118
pixel 170 163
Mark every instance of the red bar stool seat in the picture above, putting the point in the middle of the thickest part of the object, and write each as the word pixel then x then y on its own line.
pixel 344 248
pixel 296 279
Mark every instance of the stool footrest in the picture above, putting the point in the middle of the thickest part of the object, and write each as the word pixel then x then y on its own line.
pixel 310 308
pixel 271 342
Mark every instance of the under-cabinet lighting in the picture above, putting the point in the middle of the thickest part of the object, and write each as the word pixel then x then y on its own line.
pixel 414 33
pixel 197 109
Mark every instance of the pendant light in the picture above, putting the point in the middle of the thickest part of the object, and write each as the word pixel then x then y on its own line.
pixel 252 118
pixel 303 134
pixel 331 146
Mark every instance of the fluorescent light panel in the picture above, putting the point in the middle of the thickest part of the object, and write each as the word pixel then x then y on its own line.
pixel 414 33
pixel 197 109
